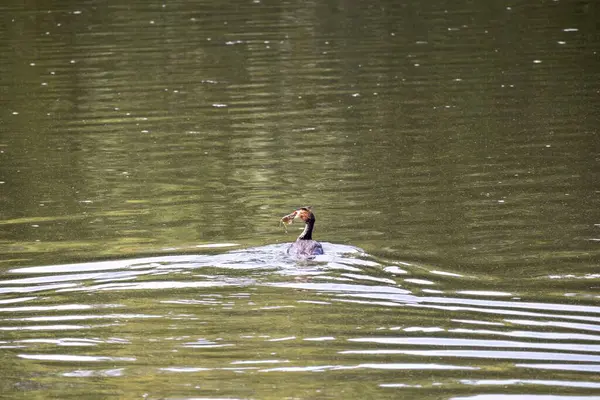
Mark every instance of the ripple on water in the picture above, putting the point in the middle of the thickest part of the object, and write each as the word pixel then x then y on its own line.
pixel 73 358
pixel 230 312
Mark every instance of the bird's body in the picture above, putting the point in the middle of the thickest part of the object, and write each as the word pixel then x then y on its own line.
pixel 305 245
pixel 305 248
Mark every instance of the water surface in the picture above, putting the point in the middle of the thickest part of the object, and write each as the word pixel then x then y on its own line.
pixel 450 152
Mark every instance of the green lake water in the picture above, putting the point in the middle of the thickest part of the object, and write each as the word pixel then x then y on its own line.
pixel 450 152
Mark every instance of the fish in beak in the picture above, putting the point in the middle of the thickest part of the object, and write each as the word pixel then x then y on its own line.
pixel 288 219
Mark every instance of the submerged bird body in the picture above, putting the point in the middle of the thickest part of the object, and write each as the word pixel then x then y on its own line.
pixel 305 248
pixel 304 245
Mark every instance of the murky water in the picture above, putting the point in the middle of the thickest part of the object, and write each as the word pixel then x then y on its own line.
pixel 450 152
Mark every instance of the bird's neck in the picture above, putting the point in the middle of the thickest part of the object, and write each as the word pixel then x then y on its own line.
pixel 307 233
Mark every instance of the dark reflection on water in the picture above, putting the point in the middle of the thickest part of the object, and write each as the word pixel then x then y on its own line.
pixel 147 151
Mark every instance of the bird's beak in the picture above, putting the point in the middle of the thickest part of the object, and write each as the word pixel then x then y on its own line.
pixel 288 219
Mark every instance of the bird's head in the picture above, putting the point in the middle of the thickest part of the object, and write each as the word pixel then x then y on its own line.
pixel 303 213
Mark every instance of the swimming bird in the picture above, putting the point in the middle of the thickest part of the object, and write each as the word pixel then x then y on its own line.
pixel 304 245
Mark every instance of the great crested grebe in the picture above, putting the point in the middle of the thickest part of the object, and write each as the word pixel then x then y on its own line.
pixel 304 245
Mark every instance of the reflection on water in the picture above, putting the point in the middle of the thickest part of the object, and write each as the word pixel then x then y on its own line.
pixel 228 316
pixel 147 151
